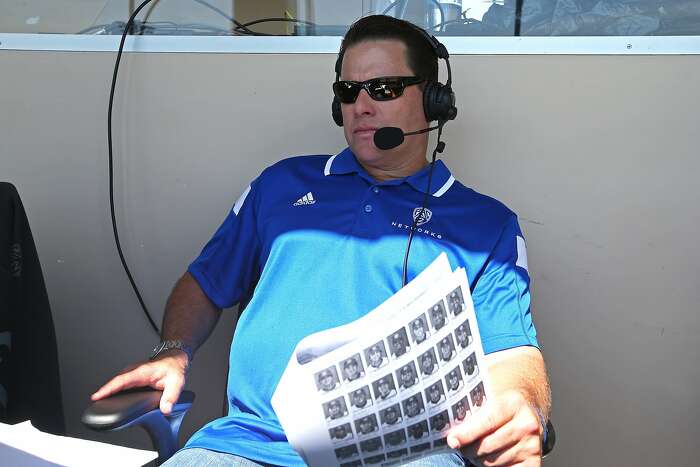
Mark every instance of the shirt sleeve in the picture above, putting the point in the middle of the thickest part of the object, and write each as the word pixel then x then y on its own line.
pixel 502 294
pixel 228 266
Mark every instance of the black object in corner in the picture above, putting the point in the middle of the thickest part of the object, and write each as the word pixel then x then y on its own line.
pixel 30 386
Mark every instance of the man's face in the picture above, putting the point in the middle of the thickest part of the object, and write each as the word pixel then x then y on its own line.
pixel 365 425
pixel 397 343
pixel 327 380
pixel 418 330
pixel 445 350
pixel 375 357
pixel 478 397
pixel 434 395
pixel 391 415
pixel 453 380
pixel 438 317
pixel 439 421
pixel 352 371
pixel 407 376
pixel 470 366
pixel 461 410
pixel 359 398
pixel 334 409
pixel 374 59
pixel 412 407
pixel 427 363
pixel 461 334
pixel 384 388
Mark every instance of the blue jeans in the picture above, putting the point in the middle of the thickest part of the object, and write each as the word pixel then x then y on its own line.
pixel 204 458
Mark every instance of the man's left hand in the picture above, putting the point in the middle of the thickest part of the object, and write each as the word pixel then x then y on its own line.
pixel 506 431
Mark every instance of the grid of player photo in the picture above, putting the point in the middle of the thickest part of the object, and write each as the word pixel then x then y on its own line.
pixel 400 395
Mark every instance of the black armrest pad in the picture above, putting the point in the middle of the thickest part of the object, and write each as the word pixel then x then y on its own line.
pixel 124 407
pixel 551 439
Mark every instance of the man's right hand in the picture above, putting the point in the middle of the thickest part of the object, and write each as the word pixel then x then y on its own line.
pixel 166 373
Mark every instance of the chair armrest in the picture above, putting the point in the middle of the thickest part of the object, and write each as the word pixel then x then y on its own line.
pixel 551 439
pixel 140 407
pixel 122 409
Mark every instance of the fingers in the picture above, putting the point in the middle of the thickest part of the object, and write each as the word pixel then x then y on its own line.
pixel 172 388
pixel 524 454
pixel 485 421
pixel 505 432
pixel 130 379
pixel 497 441
pixel 166 374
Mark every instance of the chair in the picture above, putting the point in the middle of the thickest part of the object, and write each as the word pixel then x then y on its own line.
pixel 140 407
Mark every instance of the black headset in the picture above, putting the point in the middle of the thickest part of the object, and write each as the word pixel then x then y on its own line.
pixel 438 98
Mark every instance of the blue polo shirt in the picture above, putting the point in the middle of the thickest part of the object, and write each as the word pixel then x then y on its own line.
pixel 315 242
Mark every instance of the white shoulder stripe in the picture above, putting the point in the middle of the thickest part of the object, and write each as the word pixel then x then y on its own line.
pixel 329 162
pixel 241 199
pixel 522 253
pixel 444 187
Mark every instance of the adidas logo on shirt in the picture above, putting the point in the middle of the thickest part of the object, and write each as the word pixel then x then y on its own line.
pixel 308 198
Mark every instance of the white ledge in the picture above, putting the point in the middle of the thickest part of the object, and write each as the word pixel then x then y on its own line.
pixel 593 45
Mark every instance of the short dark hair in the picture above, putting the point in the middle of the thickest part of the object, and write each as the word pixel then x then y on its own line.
pixel 420 54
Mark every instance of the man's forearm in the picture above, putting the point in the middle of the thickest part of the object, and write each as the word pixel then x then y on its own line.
pixel 189 314
pixel 522 369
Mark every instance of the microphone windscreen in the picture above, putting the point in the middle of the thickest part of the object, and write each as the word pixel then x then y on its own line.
pixel 388 137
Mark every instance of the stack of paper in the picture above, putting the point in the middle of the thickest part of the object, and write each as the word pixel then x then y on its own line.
pixel 387 387
pixel 22 445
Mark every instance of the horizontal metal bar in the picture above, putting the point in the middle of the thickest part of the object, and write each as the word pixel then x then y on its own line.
pixel 593 45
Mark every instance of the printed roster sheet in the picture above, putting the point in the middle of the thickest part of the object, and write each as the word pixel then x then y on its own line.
pixel 386 388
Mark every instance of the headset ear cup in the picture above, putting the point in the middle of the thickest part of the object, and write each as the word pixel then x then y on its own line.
pixel 428 107
pixel 438 102
pixel 445 99
pixel 336 112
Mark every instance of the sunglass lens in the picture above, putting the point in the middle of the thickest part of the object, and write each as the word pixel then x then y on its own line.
pixel 346 91
pixel 384 89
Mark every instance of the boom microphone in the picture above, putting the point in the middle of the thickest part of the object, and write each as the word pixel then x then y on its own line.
pixel 389 137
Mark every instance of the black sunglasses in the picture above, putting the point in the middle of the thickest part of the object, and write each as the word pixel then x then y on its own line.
pixel 385 88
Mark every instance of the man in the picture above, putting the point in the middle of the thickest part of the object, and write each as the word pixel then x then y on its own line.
pixel 339 433
pixel 446 349
pixel 453 380
pixel 463 334
pixel 407 376
pixel 367 424
pixel 470 365
pixel 456 302
pixel 384 388
pixel 392 415
pixel 435 393
pixel 359 397
pixel 427 362
pixel 437 316
pixel 418 330
pixel 336 409
pixel 351 369
pixel 288 257
pixel 375 357
pixel 413 406
pixel 399 344
pixel 459 410
pixel 326 380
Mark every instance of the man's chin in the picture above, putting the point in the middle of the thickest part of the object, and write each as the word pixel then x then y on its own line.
pixel 366 153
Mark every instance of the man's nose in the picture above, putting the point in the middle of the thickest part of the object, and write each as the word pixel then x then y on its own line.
pixel 364 105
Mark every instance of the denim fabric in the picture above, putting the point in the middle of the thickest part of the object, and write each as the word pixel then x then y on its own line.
pixel 439 460
pixel 197 457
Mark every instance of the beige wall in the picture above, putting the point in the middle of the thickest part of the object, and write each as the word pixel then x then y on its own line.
pixel 597 154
